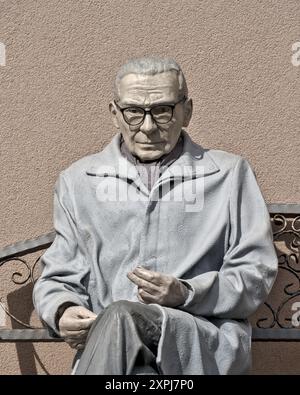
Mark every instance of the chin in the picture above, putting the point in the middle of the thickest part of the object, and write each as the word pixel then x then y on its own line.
pixel 154 155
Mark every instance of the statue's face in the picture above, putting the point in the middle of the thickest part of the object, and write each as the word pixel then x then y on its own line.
pixel 153 136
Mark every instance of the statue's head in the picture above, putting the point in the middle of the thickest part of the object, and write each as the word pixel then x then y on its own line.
pixel 150 106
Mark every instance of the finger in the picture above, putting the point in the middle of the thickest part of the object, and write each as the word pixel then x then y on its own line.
pixel 71 343
pixel 140 298
pixel 149 275
pixel 76 345
pixel 147 286
pixel 79 312
pixel 80 346
pixel 146 297
pixel 71 340
pixel 76 334
pixel 77 324
pixel 86 314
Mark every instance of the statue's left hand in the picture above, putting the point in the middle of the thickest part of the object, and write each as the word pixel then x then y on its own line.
pixel 160 288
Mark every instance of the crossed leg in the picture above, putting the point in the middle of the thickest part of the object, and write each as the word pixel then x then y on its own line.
pixel 122 340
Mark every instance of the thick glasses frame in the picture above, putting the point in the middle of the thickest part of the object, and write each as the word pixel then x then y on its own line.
pixel 171 106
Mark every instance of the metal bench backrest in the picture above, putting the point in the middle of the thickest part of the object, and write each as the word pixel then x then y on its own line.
pixel 270 327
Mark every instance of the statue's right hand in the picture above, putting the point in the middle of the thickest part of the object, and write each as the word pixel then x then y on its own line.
pixel 74 325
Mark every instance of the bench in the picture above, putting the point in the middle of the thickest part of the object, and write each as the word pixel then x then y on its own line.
pixel 276 320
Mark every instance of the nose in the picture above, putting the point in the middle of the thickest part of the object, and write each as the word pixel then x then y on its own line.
pixel 148 126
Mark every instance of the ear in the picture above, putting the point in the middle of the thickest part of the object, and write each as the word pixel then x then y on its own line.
pixel 188 111
pixel 113 113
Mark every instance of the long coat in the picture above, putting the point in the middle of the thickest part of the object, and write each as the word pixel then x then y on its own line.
pixel 204 221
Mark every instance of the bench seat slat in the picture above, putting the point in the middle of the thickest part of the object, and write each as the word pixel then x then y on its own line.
pixel 42 335
pixel 27 335
pixel 278 334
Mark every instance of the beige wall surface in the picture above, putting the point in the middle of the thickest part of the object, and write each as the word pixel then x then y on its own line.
pixel 55 86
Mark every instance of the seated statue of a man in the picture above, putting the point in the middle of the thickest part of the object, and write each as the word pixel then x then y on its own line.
pixel 163 249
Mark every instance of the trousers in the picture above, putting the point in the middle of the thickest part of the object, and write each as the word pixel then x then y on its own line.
pixel 123 340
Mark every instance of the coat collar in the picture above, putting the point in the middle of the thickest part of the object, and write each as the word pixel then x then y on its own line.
pixel 194 159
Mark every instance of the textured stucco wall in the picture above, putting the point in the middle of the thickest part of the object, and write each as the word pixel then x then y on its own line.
pixel 61 57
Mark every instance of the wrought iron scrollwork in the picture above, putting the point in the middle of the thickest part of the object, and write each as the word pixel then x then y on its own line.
pixel 20 278
pixel 12 255
pixel 286 230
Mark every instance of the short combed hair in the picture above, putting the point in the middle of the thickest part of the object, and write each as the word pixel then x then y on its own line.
pixel 151 66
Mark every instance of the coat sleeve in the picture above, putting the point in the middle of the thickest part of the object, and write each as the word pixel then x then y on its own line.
pixel 250 263
pixel 64 267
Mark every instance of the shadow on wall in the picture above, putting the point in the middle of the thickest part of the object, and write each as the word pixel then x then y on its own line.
pixel 20 306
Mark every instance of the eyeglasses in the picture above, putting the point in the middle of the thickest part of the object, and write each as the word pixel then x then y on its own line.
pixel 161 113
